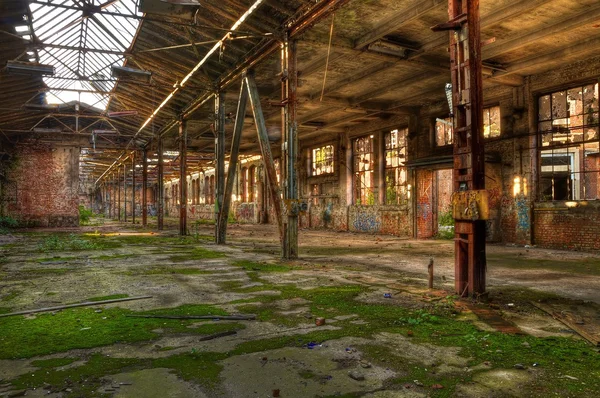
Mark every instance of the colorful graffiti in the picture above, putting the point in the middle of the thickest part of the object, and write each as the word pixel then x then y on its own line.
pixel 522 206
pixel 245 212
pixel 366 222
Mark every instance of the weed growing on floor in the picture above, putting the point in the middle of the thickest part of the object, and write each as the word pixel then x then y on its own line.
pixel 68 243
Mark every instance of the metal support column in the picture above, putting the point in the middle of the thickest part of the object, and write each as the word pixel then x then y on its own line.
pixel 265 149
pixel 133 157
pixel 160 208
pixel 289 83
pixel 144 188
pixel 220 161
pixel 182 177
pixel 118 194
pixel 469 176
pixel 233 164
pixel 125 191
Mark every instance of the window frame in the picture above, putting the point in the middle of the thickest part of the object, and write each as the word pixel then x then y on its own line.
pixel 448 131
pixel 562 127
pixel 326 159
pixel 363 194
pixel 400 190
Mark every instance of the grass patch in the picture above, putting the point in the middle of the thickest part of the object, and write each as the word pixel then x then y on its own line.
pixel 199 253
pixel 71 242
pixel 110 297
pixel 85 328
pixel 10 296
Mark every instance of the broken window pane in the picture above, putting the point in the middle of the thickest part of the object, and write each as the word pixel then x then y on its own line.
pixel 559 105
pixel 544 112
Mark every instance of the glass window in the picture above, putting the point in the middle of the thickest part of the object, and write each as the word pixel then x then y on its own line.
pixel 364 171
pixel 395 167
pixel 443 131
pixel 491 122
pixel 568 144
pixel 322 160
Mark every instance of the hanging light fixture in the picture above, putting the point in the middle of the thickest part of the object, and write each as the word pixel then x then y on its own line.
pixel 448 90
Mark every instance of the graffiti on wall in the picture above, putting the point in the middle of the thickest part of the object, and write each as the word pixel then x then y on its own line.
pixel 424 211
pixel 366 222
pixel 522 212
pixel 245 212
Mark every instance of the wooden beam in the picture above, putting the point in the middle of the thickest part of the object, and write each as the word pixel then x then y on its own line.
pixel 580 20
pixel 393 22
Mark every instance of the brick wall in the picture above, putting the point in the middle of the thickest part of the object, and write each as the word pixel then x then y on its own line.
pixel 47 180
pixel 559 226
pixel 424 210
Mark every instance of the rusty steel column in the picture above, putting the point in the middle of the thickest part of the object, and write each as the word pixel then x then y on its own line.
pixel 290 147
pixel 160 207
pixel 125 191
pixel 133 188
pixel 144 188
pixel 233 164
pixel 469 175
pixel 220 164
pixel 119 194
pixel 265 149
pixel 182 177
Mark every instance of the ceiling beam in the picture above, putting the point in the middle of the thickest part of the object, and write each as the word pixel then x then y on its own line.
pixel 392 23
pixel 580 20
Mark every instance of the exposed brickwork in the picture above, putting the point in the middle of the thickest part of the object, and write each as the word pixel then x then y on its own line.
pixel 558 226
pixel 47 181
pixel 424 214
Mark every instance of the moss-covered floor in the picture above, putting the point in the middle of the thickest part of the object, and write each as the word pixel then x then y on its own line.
pixel 385 334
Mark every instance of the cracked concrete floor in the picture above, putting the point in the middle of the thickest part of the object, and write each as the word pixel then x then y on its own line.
pixel 371 346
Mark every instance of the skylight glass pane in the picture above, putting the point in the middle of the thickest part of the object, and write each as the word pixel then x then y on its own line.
pixel 69 29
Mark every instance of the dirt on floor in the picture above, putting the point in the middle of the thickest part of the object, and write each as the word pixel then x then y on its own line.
pixel 351 318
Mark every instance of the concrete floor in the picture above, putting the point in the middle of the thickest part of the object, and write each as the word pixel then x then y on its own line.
pixel 370 346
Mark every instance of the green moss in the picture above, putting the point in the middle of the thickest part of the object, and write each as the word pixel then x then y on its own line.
pixel 110 297
pixel 83 380
pixel 198 253
pixel 200 367
pixel 84 328
pixel 52 363
pixel 10 296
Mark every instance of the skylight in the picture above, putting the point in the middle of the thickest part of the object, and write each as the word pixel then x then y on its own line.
pixel 83 39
